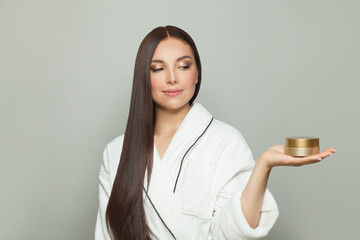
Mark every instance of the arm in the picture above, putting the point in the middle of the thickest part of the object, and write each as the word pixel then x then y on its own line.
pixel 253 195
pixel 240 175
pixel 251 199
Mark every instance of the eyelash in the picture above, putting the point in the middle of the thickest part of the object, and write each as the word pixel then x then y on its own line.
pixel 159 69
pixel 185 67
pixel 156 69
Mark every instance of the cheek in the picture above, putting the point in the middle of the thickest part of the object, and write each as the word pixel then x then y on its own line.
pixel 155 82
pixel 190 77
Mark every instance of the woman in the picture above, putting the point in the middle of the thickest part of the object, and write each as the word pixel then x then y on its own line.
pixel 178 173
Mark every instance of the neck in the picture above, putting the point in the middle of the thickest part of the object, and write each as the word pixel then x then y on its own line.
pixel 168 121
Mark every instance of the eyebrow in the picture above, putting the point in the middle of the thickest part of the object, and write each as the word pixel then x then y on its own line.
pixel 180 58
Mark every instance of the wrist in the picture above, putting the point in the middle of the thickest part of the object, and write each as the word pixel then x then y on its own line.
pixel 262 161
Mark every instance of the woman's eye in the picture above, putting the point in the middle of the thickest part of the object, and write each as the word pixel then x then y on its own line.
pixel 156 69
pixel 184 67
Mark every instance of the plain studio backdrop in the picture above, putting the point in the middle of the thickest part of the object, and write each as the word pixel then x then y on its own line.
pixel 272 69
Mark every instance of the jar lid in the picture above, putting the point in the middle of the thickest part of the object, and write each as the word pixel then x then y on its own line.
pixel 302 142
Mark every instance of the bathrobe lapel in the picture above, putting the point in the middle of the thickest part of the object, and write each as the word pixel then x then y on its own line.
pixel 165 172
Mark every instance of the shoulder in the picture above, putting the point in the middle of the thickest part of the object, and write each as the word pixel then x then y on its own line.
pixel 113 152
pixel 228 134
pixel 226 128
pixel 234 151
pixel 114 147
pixel 116 142
pixel 222 144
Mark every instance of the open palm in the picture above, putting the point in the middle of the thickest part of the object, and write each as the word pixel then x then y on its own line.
pixel 275 156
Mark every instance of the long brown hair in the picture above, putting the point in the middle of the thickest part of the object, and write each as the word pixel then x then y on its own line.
pixel 125 214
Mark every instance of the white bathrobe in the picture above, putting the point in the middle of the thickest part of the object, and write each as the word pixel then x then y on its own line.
pixel 195 189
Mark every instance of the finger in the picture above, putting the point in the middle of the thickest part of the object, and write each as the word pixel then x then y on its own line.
pixel 278 148
pixel 326 153
pixel 304 160
pixel 298 161
pixel 320 156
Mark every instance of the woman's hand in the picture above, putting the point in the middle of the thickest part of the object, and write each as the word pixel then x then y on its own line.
pixel 275 156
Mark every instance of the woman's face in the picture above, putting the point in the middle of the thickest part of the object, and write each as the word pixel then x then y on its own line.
pixel 173 67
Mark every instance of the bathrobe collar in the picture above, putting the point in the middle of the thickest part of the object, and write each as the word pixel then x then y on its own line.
pixel 166 171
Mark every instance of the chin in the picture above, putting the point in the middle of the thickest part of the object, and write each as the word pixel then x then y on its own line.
pixel 173 104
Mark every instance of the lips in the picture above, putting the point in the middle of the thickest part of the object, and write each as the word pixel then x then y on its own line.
pixel 172 91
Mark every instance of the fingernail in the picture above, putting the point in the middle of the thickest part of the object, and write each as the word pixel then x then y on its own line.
pixel 334 150
pixel 319 158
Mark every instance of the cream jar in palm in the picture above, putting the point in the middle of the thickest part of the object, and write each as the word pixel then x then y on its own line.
pixel 301 146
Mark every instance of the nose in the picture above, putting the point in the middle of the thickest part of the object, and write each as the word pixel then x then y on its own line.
pixel 171 78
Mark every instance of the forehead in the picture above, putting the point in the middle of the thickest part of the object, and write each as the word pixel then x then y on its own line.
pixel 172 48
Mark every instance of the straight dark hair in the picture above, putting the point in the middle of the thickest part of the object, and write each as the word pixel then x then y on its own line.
pixel 125 214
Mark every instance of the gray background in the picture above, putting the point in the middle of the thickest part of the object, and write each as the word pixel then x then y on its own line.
pixel 271 69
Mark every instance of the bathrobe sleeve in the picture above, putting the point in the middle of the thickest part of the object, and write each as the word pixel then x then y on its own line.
pixel 101 232
pixel 229 222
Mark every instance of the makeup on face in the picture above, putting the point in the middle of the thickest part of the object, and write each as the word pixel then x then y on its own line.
pixel 301 146
pixel 172 93
pixel 183 62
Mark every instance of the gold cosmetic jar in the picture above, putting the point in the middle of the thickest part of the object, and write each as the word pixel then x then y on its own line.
pixel 301 146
